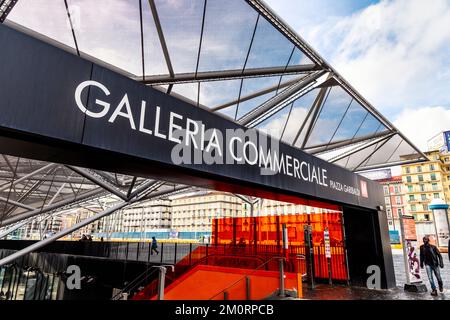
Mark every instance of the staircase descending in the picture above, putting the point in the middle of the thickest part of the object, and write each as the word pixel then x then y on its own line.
pixel 208 270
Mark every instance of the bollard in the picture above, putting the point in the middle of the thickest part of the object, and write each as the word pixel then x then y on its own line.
pixel 161 282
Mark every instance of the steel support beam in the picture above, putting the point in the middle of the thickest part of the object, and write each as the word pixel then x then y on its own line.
pixel 391 164
pixel 315 116
pixel 81 224
pixel 18 204
pixel 25 177
pixel 258 114
pixel 61 234
pixel 361 147
pixel 162 39
pixel 255 95
pixel 227 74
pixel 57 205
pixel 85 173
pixel 6 7
pixel 261 7
pixel 322 148
pixel 317 102
pixel 366 159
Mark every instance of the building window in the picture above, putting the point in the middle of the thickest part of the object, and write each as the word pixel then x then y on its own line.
pixel 425 207
pixel 386 190
pixel 422 187
pixel 426 217
pixel 419 169
pixel 434 186
pixel 436 195
pixel 410 188
pixel 413 207
pixel 398 200
pixel 399 212
pixel 408 179
pixel 411 197
pixel 423 196
pixel 407 170
pixel 420 177
pixel 389 214
pixel 397 189
pixel 432 167
pixel 433 176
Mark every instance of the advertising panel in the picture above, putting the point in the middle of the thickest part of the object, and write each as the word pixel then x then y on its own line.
pixel 442 229
pixel 447 140
pixel 394 237
pixel 410 228
pixel 378 174
pixel 437 142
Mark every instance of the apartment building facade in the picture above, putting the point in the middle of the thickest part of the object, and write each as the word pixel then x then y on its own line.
pixel 144 217
pixel 194 212
pixel 423 183
pixel 394 199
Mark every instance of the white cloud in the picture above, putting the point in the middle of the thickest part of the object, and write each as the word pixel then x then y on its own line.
pixel 421 124
pixel 394 52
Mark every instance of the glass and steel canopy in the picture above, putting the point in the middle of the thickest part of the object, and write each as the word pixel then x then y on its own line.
pixel 235 57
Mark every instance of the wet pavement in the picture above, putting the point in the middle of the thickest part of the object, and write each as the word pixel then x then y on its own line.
pixel 326 292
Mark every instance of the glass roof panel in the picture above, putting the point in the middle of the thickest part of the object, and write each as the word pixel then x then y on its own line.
pixel 108 35
pixel 357 158
pixel 181 22
pixel 216 93
pixel 252 85
pixel 357 123
pixel 188 90
pixel 299 111
pixel 230 112
pixel 404 149
pixel 275 124
pixel 247 106
pixel 47 17
pixel 392 151
pixel 154 60
pixel 227 34
pixel 334 108
pixel 369 126
pixel 269 48
pixel 299 58
pixel 385 151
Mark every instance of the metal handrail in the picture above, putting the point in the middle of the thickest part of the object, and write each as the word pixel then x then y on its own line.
pixel 244 277
pixel 133 284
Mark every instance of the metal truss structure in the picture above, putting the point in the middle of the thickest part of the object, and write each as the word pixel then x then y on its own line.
pixel 236 58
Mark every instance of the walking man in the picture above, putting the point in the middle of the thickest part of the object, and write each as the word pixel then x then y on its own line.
pixel 432 258
pixel 154 246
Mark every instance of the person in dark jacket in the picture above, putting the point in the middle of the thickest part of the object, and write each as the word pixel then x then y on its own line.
pixel 432 259
pixel 154 246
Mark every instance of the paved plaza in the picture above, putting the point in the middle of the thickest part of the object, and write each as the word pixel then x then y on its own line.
pixel 325 292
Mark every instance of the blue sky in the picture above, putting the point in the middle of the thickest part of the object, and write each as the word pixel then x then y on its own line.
pixel 396 53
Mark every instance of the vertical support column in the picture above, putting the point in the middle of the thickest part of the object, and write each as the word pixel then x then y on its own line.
pixel 368 244
pixel 247 288
pixel 309 253
pixel 282 290
pixel 161 282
